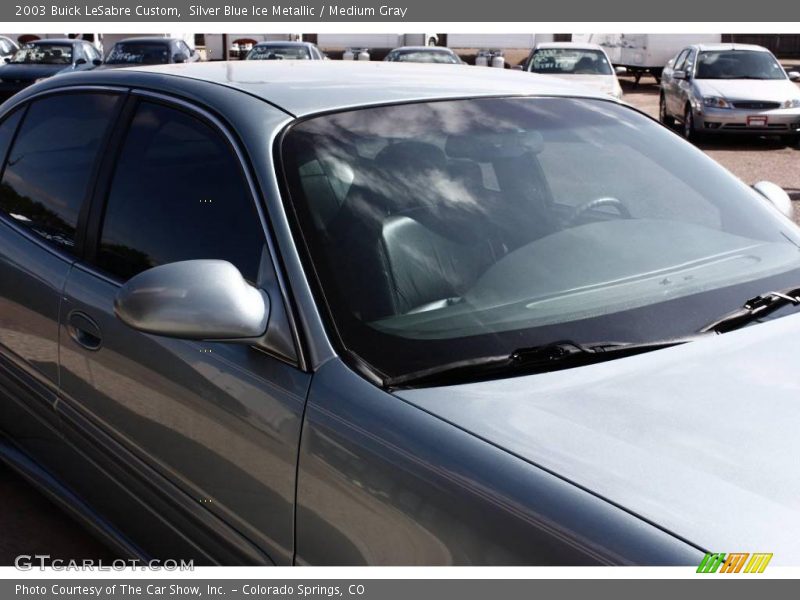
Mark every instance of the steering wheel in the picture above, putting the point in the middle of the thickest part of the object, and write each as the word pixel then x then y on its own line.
pixel 596 203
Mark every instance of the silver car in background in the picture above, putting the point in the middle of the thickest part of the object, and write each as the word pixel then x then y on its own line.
pixel 730 88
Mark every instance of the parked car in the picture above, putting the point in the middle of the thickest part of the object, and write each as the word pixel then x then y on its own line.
pixel 41 59
pixel 285 51
pixel 730 88
pixel 424 54
pixel 514 323
pixel 586 64
pixel 7 48
pixel 137 51
pixel 645 53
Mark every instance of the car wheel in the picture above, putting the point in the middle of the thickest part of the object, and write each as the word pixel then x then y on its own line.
pixel 689 132
pixel 791 140
pixel 663 116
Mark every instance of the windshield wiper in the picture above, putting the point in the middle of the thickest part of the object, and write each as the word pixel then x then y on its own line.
pixel 754 309
pixel 538 359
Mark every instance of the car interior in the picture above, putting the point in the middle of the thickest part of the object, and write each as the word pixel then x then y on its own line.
pixel 412 227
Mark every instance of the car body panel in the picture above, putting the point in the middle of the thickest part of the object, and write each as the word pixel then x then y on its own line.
pixel 698 438
pixel 382 482
pixel 306 87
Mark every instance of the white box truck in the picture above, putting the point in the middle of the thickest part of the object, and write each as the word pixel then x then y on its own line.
pixel 643 53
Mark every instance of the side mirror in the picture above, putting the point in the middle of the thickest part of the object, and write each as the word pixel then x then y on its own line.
pixel 80 61
pixel 7 59
pixel 196 300
pixel 179 57
pixel 777 197
pixel 97 62
pixel 679 75
pixel 620 70
pixel 518 68
pixel 794 75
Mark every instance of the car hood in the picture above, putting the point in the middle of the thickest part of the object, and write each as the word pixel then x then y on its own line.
pixel 24 72
pixel 599 83
pixel 702 439
pixel 772 90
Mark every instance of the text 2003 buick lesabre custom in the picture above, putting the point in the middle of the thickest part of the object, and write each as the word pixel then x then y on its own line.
pixel 391 314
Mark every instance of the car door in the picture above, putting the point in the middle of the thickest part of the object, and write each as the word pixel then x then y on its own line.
pixel 670 82
pixel 52 145
pixel 684 86
pixel 214 426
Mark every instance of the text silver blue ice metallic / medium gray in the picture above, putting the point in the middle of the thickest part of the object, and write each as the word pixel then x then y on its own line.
pixel 298 312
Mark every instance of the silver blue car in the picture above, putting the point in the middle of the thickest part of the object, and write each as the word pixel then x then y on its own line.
pixel 304 313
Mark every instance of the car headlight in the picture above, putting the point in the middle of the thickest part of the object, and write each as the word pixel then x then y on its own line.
pixel 793 103
pixel 715 102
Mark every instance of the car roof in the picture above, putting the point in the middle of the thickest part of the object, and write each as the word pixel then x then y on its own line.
pixel 58 41
pixel 283 43
pixel 718 47
pixel 149 39
pixel 423 48
pixel 306 87
pixel 574 45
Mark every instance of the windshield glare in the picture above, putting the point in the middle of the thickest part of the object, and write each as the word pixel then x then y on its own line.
pixel 569 61
pixel 738 64
pixel 139 53
pixel 279 53
pixel 455 230
pixel 44 54
pixel 423 56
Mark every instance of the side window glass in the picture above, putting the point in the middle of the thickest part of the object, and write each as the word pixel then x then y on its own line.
pixel 680 61
pixel 178 193
pixel 689 64
pixel 50 165
pixel 7 129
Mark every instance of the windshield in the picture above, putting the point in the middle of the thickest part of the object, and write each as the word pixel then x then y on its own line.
pixel 279 53
pixel 456 230
pixel 569 61
pixel 738 64
pixel 44 54
pixel 139 53
pixel 423 56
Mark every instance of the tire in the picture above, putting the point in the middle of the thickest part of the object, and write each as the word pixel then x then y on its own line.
pixel 663 116
pixel 793 141
pixel 690 134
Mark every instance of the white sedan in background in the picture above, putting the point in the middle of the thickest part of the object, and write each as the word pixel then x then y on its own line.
pixel 586 64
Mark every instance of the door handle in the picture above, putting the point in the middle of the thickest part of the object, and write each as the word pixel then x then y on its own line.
pixel 84 331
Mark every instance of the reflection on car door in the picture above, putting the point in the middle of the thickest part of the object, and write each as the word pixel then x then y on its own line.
pixel 216 426
pixel 44 182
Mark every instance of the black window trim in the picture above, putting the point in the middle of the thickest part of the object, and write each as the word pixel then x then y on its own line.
pixel 24 105
pixel 102 186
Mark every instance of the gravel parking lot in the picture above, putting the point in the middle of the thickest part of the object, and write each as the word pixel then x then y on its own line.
pixel 30 524
pixel 751 159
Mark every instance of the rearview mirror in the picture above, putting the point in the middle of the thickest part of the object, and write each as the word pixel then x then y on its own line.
pixel 679 75
pixel 620 70
pixel 179 57
pixel 777 197
pixel 194 299
pixel 794 75
pixel 7 59
pixel 518 68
